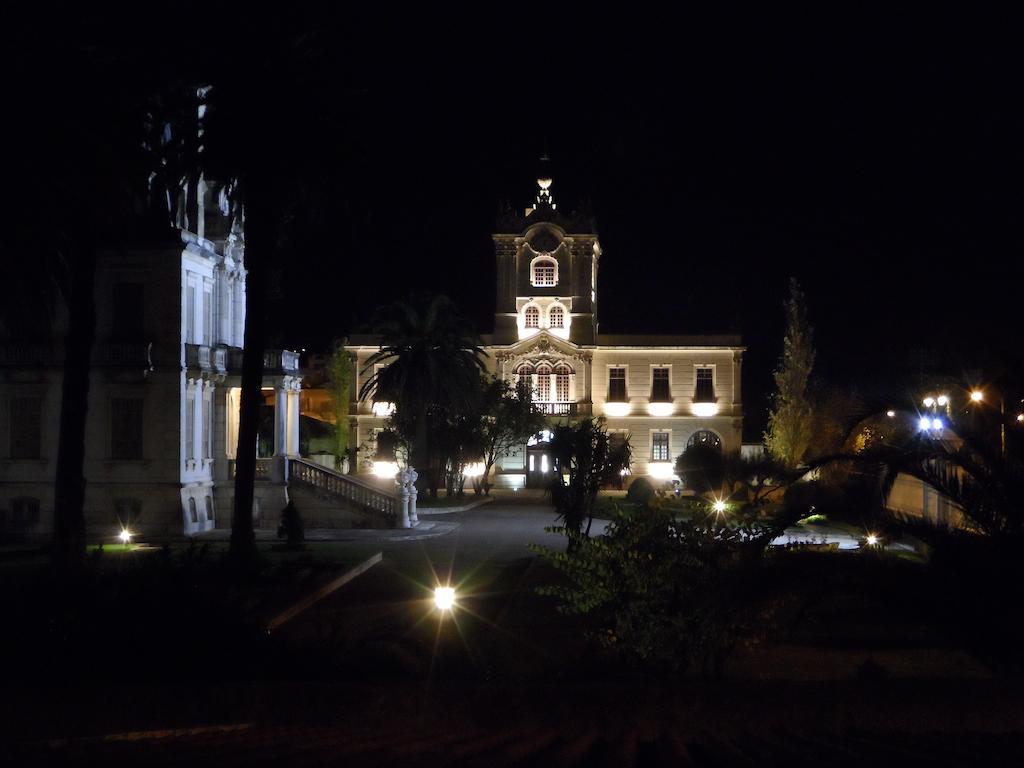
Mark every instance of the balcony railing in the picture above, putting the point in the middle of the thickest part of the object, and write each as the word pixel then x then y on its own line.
pixel 129 353
pixel 557 409
pixel 264 468
pixel 206 358
pixel 29 354
pixel 279 361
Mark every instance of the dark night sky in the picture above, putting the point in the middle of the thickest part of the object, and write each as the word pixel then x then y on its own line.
pixel 885 177
pixel 882 167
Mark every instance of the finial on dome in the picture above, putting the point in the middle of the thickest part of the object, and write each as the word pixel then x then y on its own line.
pixel 544 197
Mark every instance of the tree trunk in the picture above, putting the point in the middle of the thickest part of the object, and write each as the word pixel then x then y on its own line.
pixel 259 246
pixel 69 482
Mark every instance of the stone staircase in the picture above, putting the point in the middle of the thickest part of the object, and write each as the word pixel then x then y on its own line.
pixel 329 499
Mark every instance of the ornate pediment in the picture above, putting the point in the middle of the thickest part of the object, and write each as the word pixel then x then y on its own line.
pixel 545 346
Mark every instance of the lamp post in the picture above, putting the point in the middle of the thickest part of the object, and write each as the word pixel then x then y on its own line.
pixel 978 396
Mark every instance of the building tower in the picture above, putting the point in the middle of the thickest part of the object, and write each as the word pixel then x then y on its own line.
pixel 546 273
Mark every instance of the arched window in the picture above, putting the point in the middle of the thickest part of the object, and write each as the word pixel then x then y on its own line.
pixel 209 508
pixel 192 512
pixel 562 374
pixel 544 383
pixel 524 370
pixel 545 272
pixel 532 315
pixel 705 437
pixel 556 317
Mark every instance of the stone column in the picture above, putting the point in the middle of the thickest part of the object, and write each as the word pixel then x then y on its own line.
pixel 414 518
pixel 239 299
pixel 280 420
pixel 737 378
pixel 588 381
pixel 403 495
pixel 293 421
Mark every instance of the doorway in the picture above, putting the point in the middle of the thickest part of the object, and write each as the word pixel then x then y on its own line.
pixel 539 466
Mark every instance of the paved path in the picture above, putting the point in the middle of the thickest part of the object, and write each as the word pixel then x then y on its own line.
pixel 386 619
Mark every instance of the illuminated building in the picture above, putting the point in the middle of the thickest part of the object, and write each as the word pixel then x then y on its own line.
pixel 664 391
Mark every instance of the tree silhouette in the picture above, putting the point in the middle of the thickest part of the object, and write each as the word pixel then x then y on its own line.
pixel 790 426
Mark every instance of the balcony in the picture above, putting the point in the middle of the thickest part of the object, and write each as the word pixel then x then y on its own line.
pixel 275 361
pixel 557 409
pixel 124 353
pixel 206 358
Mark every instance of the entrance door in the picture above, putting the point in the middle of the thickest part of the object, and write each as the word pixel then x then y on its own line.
pixel 538 466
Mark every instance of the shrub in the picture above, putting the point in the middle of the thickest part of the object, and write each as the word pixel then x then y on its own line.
pixel 701 468
pixel 666 593
pixel 640 491
pixel 291 527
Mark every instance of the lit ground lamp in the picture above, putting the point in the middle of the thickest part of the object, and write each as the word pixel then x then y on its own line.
pixel 444 598
pixel 385 464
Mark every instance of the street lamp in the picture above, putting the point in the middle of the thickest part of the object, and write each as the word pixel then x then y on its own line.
pixel 978 396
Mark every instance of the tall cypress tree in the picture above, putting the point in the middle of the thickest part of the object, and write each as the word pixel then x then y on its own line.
pixel 789 420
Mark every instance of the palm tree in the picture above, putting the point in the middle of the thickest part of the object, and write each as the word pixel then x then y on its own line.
pixel 432 364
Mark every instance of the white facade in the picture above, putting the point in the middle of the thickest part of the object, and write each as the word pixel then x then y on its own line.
pixel 162 425
pixel 663 392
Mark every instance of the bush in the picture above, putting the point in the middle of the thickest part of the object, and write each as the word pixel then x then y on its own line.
pixel 701 468
pixel 640 492
pixel 662 592
pixel 291 527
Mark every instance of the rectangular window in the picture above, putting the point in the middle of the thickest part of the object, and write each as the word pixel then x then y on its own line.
pixel 190 314
pixel 190 425
pixel 705 385
pixel 659 446
pixel 26 427
pixel 660 391
pixel 127 312
pixel 126 428
pixel 617 385
pixel 207 424
pixel 207 317
pixel 562 387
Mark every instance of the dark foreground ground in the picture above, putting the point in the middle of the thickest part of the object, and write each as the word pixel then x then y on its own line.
pixel 372 675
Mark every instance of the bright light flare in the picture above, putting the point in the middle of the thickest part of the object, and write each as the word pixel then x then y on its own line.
pixel 662 470
pixel 385 469
pixel 660 409
pixel 924 423
pixel 719 506
pixel 1020 417
pixel 382 410
pixel 977 396
pixel 871 540
pixel 942 401
pixel 444 598
pixel 929 402
pixel 616 409
pixel 890 414
pixel 473 470
pixel 704 410
pixel 937 424
pixel 125 536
